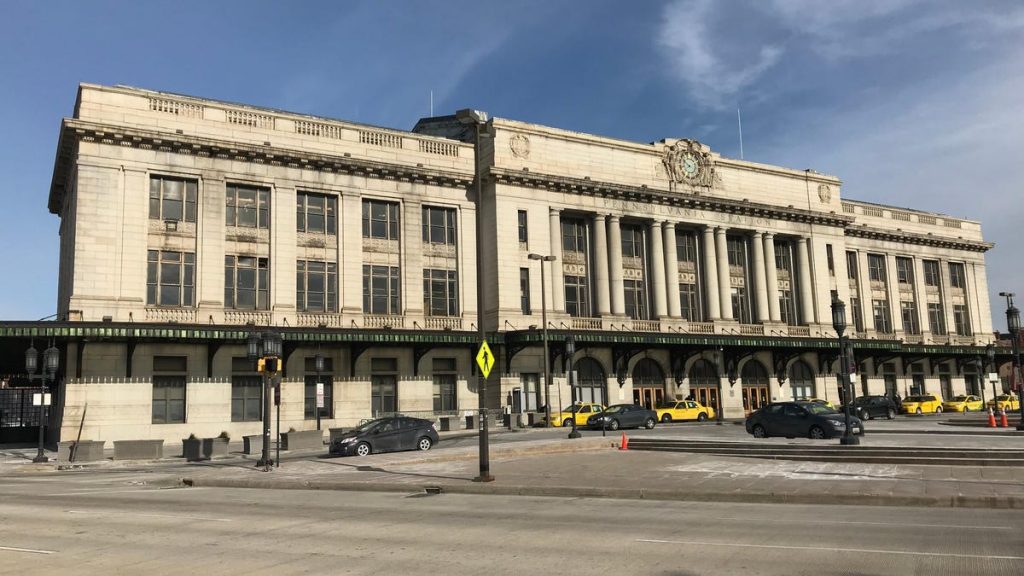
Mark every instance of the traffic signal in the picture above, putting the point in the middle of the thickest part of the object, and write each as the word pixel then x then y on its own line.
pixel 271 364
pixel 259 365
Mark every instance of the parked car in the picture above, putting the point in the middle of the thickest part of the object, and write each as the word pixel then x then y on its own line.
pixel 623 416
pixel 684 410
pixel 921 404
pixel 963 404
pixel 823 402
pixel 802 418
pixel 389 434
pixel 1006 402
pixel 868 407
pixel 583 412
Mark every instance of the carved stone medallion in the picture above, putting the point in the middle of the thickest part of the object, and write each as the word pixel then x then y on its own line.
pixel 687 161
pixel 824 193
pixel 520 145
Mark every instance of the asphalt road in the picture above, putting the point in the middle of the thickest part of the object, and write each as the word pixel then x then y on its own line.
pixel 118 524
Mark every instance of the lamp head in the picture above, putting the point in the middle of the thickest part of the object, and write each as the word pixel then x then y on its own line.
pixel 839 316
pixel 31 360
pixel 1013 320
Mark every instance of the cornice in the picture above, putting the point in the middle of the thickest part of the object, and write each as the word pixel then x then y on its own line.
pixel 920 239
pixel 588 187
pixel 74 131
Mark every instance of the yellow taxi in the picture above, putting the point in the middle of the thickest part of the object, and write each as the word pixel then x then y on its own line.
pixel 684 410
pixel 921 404
pixel 1006 402
pixel 963 404
pixel 822 402
pixel 583 411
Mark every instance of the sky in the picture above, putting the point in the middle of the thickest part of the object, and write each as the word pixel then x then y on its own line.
pixel 912 103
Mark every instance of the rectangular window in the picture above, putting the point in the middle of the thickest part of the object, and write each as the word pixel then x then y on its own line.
pixel 316 286
pixel 383 386
pixel 957 279
pixel 740 305
pixel 246 398
pixel 316 213
pixel 172 198
pixel 310 393
pixel 438 225
pixel 858 315
pixel 904 270
pixel 936 319
pixel 883 322
pixel 170 377
pixel 577 301
pixel 574 235
pixel 831 260
pixel 524 291
pixel 931 273
pixel 689 307
pixel 686 247
pixel 636 299
pixel 876 268
pixel 787 307
pixel 381 289
pixel 524 235
pixel 246 283
pixel 961 320
pixel 380 219
pixel 441 292
pixel 444 385
pixel 784 257
pixel 851 265
pixel 632 241
pixel 170 278
pixel 737 250
pixel 248 206
pixel 909 313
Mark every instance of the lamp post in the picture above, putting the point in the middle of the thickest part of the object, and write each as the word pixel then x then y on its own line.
pixel 51 361
pixel 265 347
pixel 839 323
pixel 319 361
pixel 544 333
pixel 993 376
pixel 1013 326
pixel 570 349
pixel 479 120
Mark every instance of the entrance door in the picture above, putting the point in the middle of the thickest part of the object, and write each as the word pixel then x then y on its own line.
pixel 648 397
pixel 706 395
pixel 946 385
pixel 754 397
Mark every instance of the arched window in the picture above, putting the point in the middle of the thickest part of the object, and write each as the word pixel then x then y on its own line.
pixel 648 373
pixel 591 380
pixel 754 374
pixel 801 380
pixel 755 386
pixel 703 373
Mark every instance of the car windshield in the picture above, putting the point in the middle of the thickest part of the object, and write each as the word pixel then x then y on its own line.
pixel 570 409
pixel 815 408
pixel 613 409
pixel 960 399
pixel 914 399
pixel 667 405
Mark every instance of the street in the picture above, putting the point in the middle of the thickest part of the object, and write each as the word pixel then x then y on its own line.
pixel 117 523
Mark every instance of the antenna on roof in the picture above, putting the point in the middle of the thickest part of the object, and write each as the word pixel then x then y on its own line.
pixel 431 103
pixel 739 124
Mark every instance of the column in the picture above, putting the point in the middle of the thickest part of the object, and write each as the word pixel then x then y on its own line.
pixel 892 288
pixel 601 265
pixel 921 297
pixel 864 288
pixel 657 253
pixel 711 275
pixel 947 296
pixel 671 268
pixel 771 278
pixel 557 277
pixel 806 291
pixel 724 283
pixel 615 263
pixel 760 281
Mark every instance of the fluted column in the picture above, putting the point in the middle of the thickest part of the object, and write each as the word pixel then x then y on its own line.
pixel 724 283
pixel 760 280
pixel 806 290
pixel 657 255
pixel 557 278
pixel 711 275
pixel 601 265
pixel 771 278
pixel 671 268
pixel 615 264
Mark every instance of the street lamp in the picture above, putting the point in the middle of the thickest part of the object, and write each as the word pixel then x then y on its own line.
pixel 51 361
pixel 993 376
pixel 479 120
pixel 319 361
pixel 839 323
pixel 264 350
pixel 1013 325
pixel 570 349
pixel 544 333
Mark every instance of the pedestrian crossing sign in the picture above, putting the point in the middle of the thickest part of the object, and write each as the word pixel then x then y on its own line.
pixel 485 359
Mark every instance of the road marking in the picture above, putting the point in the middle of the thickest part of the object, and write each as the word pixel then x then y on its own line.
pixel 204 518
pixel 899 524
pixel 88 491
pixel 28 550
pixel 829 549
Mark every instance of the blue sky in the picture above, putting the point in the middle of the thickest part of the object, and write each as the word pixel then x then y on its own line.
pixel 912 103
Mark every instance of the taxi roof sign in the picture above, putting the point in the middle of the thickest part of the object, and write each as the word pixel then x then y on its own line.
pixel 485 359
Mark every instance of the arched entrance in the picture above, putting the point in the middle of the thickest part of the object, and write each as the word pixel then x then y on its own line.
pixel 648 384
pixel 590 387
pixel 755 386
pixel 704 383
pixel 801 380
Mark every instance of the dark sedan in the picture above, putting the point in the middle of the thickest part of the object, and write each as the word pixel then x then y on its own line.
pixel 806 419
pixel 868 407
pixel 389 434
pixel 623 416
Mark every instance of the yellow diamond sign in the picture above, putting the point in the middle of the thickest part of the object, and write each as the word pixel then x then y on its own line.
pixel 485 359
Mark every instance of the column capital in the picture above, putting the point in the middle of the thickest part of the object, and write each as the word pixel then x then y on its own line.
pixel 720 230
pixel 613 218
pixel 769 235
pixel 668 225
pixel 757 234
pixel 801 240
pixel 553 211
pixel 598 217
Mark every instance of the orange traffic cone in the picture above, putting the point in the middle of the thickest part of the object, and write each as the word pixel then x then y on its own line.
pixel 1002 420
pixel 991 419
pixel 624 444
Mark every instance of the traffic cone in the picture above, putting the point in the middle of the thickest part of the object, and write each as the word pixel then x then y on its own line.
pixel 991 418
pixel 624 444
pixel 1003 421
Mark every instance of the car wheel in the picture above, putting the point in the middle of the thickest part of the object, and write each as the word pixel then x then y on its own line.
pixel 891 414
pixel 613 425
pixel 865 415
pixel 759 431
pixel 918 411
pixel 424 443
pixel 363 449
pixel 816 433
pixel 938 409
pixel 649 423
pixel 666 418
pixel 702 416
pixel 567 422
